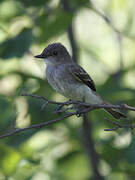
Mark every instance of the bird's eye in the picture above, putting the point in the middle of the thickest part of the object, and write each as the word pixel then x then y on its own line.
pixel 55 52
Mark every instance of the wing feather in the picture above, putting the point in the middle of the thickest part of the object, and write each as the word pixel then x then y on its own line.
pixel 82 76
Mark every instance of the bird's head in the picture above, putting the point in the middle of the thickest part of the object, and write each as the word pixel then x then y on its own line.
pixel 54 54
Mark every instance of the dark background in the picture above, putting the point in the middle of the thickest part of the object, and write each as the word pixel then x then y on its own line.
pixel 101 38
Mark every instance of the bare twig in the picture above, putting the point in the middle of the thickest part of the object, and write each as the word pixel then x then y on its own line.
pixel 89 107
pixel 110 23
pixel 87 140
pixel 41 97
pixel 118 126
pixel 35 126
pixel 70 30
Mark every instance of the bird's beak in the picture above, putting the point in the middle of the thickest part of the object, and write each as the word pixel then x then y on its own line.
pixel 39 56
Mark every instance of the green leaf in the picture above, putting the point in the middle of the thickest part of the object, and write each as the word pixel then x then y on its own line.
pixel 10 9
pixel 74 162
pixel 53 25
pixel 129 153
pixel 16 46
pixel 30 3
pixel 7 113
pixel 9 159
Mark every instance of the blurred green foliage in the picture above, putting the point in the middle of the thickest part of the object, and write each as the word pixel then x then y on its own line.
pixel 57 151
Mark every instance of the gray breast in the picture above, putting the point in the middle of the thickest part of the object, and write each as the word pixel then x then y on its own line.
pixel 64 85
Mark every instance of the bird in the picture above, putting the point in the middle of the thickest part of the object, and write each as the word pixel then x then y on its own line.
pixel 70 79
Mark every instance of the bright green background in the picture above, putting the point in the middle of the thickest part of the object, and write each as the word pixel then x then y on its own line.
pixel 56 152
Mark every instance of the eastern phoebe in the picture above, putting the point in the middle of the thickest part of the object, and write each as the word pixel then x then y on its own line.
pixel 70 79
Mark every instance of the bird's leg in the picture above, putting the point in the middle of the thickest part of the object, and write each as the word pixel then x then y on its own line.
pixel 59 107
pixel 80 108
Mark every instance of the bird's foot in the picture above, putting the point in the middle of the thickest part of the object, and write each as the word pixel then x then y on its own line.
pixel 78 113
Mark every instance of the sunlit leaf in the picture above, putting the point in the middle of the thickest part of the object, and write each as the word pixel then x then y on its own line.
pixel 9 159
pixel 54 25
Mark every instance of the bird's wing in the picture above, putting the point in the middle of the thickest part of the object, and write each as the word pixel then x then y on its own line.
pixel 81 75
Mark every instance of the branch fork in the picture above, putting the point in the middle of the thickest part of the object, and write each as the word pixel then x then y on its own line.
pixel 67 104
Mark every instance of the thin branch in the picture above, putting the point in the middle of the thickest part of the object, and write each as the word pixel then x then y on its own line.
pixel 118 126
pixel 70 30
pixel 89 107
pixel 120 44
pixel 109 22
pixel 87 134
pixel 41 97
pixel 35 126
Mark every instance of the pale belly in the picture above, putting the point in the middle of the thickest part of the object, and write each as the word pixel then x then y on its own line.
pixel 78 92
pixel 68 90
pixel 72 89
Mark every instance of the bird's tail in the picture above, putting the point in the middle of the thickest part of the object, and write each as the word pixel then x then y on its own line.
pixel 116 113
pixel 97 99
